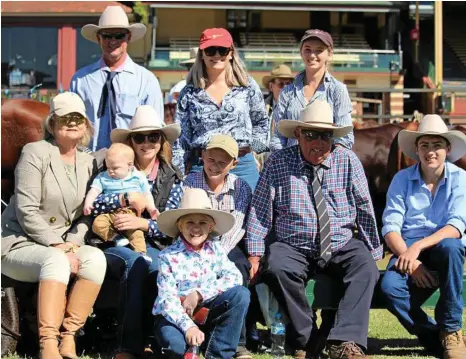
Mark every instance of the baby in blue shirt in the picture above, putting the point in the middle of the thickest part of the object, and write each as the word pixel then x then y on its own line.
pixel 120 177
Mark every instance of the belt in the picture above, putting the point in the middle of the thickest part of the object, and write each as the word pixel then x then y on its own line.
pixel 243 151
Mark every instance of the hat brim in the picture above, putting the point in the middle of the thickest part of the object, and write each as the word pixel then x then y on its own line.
pixel 171 132
pixel 457 139
pixel 89 32
pixel 167 221
pixel 287 128
pixel 266 79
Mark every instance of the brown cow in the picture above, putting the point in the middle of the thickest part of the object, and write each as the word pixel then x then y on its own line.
pixel 21 123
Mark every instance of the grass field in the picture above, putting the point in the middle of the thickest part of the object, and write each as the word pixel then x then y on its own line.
pixel 387 340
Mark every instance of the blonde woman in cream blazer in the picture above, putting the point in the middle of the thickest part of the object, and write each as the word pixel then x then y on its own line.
pixel 43 227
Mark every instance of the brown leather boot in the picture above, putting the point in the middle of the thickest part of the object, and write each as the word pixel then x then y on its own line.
pixel 346 350
pixel 50 308
pixel 79 306
pixel 453 345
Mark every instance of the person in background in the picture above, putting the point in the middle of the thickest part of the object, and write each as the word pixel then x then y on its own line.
pixel 176 89
pixel 220 98
pixel 44 230
pixel 314 83
pixel 114 86
pixel 424 225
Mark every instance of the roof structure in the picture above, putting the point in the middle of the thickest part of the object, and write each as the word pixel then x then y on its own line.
pixel 58 8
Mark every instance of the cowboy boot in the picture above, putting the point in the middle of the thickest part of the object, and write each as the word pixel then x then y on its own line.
pixel 453 345
pixel 50 308
pixel 79 306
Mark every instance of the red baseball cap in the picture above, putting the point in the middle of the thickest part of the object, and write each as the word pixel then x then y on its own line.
pixel 215 37
pixel 323 36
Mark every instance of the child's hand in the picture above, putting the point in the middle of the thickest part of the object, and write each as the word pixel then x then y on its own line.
pixel 191 302
pixel 194 336
pixel 88 207
pixel 154 214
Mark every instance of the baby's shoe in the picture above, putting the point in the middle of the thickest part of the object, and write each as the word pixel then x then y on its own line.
pixel 121 241
pixel 146 258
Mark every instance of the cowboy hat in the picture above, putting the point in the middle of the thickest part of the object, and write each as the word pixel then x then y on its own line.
pixel 278 72
pixel 317 116
pixel 433 125
pixel 192 56
pixel 146 119
pixel 194 201
pixel 113 17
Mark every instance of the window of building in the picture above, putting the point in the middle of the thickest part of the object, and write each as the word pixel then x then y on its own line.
pixel 29 56
pixel 87 52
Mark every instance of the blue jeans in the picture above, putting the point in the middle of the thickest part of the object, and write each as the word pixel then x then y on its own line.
pixel 137 293
pixel 222 328
pixel 246 169
pixel 405 298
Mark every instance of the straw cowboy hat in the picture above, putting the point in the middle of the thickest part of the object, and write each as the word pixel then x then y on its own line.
pixel 195 201
pixel 317 116
pixel 192 56
pixel 64 104
pixel 278 72
pixel 433 125
pixel 146 119
pixel 113 17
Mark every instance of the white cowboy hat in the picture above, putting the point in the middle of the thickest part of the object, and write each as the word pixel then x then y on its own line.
pixel 113 17
pixel 146 119
pixel 317 116
pixel 192 56
pixel 433 125
pixel 194 201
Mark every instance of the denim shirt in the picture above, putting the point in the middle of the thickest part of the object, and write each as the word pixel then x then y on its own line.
pixel 292 101
pixel 241 114
pixel 414 213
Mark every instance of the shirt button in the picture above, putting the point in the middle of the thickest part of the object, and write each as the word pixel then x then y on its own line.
pixel 67 223
pixel 52 220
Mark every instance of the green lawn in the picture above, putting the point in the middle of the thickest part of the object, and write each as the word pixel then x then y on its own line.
pixel 387 340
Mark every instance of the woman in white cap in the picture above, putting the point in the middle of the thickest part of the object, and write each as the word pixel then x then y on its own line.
pixel 424 225
pixel 151 141
pixel 313 83
pixel 43 227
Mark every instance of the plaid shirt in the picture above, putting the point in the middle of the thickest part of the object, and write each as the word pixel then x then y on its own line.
pixel 284 198
pixel 234 198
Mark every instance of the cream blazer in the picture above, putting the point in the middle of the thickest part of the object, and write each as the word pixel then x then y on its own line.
pixel 42 210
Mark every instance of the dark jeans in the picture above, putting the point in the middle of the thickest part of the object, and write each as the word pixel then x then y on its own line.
pixel 404 299
pixel 137 293
pixel 286 271
pixel 222 328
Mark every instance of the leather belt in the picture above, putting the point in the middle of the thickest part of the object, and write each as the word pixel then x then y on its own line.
pixel 243 151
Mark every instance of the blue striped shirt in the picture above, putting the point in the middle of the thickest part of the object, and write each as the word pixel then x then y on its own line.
pixel 134 85
pixel 292 101
pixel 241 115
pixel 284 199
pixel 414 213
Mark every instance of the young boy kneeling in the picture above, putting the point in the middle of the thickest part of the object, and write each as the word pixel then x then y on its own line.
pixel 197 268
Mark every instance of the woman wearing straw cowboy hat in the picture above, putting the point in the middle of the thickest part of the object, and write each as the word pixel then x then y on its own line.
pixel 424 224
pixel 197 268
pixel 150 139
pixel 114 86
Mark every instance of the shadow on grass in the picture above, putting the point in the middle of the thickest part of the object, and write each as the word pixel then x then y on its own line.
pixel 398 347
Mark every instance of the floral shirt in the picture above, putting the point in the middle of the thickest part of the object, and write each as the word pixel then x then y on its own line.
pixel 241 114
pixel 183 270
pixel 108 203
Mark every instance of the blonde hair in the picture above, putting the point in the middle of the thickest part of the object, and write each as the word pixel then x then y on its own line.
pixel 236 74
pixel 121 150
pixel 47 130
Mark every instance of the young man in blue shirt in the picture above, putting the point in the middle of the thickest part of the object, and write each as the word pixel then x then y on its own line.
pixel 423 224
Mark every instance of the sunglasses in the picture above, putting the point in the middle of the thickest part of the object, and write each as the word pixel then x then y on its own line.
pixel 68 120
pixel 116 35
pixel 139 138
pixel 314 135
pixel 212 50
pixel 282 84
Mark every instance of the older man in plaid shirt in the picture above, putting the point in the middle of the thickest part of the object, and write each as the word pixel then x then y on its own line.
pixel 313 194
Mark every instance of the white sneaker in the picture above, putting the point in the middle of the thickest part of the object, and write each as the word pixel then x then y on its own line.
pixel 121 241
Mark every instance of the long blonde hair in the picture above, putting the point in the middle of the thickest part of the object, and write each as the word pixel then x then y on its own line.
pixel 236 74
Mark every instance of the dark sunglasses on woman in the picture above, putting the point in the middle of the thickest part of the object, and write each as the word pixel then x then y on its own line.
pixel 116 35
pixel 139 138
pixel 67 120
pixel 212 50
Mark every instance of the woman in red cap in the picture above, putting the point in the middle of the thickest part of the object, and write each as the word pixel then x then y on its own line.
pixel 314 82
pixel 220 98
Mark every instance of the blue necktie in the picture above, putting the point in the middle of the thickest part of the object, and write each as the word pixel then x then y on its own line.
pixel 108 95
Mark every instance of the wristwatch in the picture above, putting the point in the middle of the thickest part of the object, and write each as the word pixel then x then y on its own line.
pixel 126 199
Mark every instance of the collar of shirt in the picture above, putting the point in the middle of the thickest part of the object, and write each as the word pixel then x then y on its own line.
pixel 228 184
pixel 299 80
pixel 127 66
pixel 181 245
pixel 415 175
pixel 304 164
pixel 155 169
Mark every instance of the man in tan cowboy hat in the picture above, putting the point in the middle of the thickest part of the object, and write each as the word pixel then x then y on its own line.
pixel 424 225
pixel 312 194
pixel 114 86
pixel 175 90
